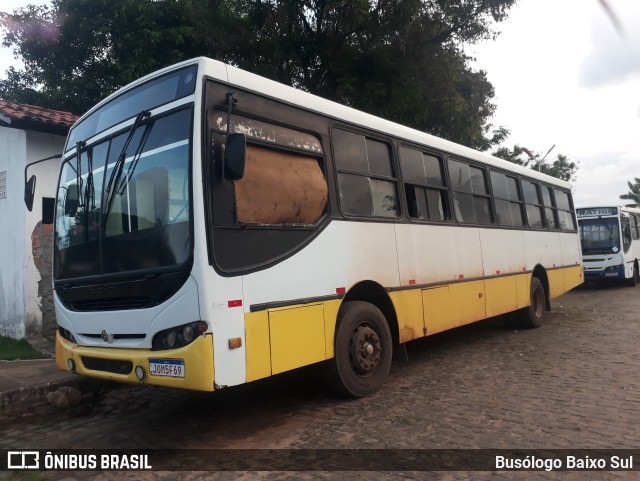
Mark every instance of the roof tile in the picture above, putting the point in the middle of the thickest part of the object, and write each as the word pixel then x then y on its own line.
pixel 37 114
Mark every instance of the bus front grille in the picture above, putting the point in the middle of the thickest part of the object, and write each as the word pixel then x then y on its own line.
pixel 109 304
pixel 116 336
pixel 107 365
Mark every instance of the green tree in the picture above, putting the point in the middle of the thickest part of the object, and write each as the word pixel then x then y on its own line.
pixel 634 192
pixel 399 59
pixel 561 167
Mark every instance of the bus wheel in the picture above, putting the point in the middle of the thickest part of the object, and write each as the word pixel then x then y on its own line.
pixel 633 280
pixel 531 317
pixel 363 350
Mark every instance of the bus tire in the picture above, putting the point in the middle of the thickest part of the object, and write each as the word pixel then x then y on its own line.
pixel 633 280
pixel 363 350
pixel 531 317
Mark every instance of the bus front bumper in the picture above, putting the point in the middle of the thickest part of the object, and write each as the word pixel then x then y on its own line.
pixel 188 367
pixel 614 272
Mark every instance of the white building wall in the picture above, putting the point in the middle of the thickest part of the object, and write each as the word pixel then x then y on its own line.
pixel 13 154
pixel 39 146
pixel 20 293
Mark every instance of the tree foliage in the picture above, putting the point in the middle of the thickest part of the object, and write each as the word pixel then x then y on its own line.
pixel 634 192
pixel 399 59
pixel 561 166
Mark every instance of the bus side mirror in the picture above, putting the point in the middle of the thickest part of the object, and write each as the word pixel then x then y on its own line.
pixel 71 201
pixel 29 192
pixel 235 156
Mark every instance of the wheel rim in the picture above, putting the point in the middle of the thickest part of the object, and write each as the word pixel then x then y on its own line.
pixel 537 303
pixel 365 350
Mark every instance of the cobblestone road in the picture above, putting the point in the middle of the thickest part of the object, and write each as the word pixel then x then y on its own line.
pixel 573 383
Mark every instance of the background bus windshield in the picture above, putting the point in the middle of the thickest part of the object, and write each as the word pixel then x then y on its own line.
pixel 600 236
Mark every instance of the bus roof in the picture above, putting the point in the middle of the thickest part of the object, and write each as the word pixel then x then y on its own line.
pixel 255 83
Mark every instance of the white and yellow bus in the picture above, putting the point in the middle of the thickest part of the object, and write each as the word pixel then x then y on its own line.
pixel 610 238
pixel 213 227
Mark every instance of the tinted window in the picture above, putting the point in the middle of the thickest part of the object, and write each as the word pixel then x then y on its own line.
pixel 549 211
pixel 507 200
pixel 562 200
pixel 350 151
pixel 424 185
pixel 564 210
pixel 355 194
pixel 433 169
pixel 460 177
pixel 379 158
pixel 478 184
pixel 530 192
pixel 534 214
pixel 366 177
pixel 471 202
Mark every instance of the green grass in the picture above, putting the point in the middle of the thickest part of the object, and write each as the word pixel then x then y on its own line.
pixel 12 349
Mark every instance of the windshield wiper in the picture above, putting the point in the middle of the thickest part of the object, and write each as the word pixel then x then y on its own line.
pixel 89 201
pixel 79 172
pixel 117 169
pixel 134 162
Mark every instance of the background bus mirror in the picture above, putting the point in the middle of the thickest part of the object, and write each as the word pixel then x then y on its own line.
pixel 235 157
pixel 48 210
pixel 29 192
pixel 71 201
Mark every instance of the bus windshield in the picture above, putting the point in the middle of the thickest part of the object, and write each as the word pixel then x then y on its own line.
pixel 143 221
pixel 600 236
pixel 159 91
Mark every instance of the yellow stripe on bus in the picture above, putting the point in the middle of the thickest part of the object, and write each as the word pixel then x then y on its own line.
pixel 285 338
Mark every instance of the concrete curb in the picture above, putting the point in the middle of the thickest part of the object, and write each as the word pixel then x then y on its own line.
pixel 32 400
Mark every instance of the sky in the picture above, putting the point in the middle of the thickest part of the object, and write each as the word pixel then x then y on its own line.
pixel 564 77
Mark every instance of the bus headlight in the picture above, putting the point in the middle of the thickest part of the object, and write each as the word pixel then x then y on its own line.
pixel 187 333
pixel 67 335
pixel 614 268
pixel 178 336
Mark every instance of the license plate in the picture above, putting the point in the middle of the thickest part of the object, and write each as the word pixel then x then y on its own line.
pixel 166 367
pixel 611 274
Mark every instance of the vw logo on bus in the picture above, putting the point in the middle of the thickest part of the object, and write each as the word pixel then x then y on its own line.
pixel 106 337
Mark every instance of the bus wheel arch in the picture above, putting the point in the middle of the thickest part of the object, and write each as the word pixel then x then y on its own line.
pixel 363 341
pixel 540 273
pixel 531 317
pixel 374 293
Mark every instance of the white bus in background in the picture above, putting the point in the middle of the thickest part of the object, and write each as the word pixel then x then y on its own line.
pixel 214 227
pixel 610 238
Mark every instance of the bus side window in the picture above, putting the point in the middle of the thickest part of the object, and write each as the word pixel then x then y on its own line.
pixel 367 183
pixel 535 212
pixel 626 232
pixel 549 208
pixel 507 199
pixel 424 184
pixel 634 226
pixel 471 201
pixel 564 210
